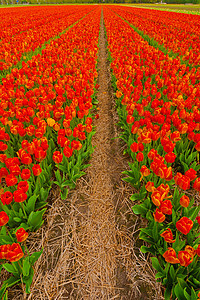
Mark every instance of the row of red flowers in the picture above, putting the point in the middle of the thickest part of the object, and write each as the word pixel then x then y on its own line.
pixel 177 32
pixel 43 23
pixel 160 119
pixel 45 123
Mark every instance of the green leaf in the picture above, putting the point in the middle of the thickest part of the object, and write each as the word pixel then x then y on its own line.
pixel 167 268
pixel 185 166
pixel 145 249
pixel 8 267
pixel 181 276
pixel 147 231
pixel 167 293
pixel 35 219
pixel 6 239
pixel 62 168
pixel 179 292
pixel 149 216
pixel 8 283
pixel 18 220
pixel 197 282
pixel 176 243
pixel 136 196
pixel 172 272
pixel 40 205
pixel 3 231
pixel 5 297
pixel 159 275
pixel 139 209
pixel 193 213
pixel 26 266
pixel 155 232
pixel 22 225
pixel 34 257
pixel 131 180
pixel 187 296
pixel 30 204
pixel 44 193
pixel 193 294
pixel 65 183
pixel 58 176
pixel 156 264
pixel 28 281
pixel 145 238
pixel 64 193
pixel 2 291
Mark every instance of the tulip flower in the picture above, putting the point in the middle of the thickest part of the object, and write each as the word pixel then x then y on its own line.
pixel 134 147
pixel 166 207
pixel 23 186
pixel 57 157
pixel 6 198
pixel 25 174
pixel 159 216
pixel 198 250
pixel 190 250
pixel 14 252
pixel 140 157
pixel 191 173
pixel 196 184
pixel 168 236
pixel 11 180
pixel 3 251
pixel 36 170
pixel 170 256
pixel 21 235
pixel 184 225
pixel 156 197
pixel 182 181
pixel 150 186
pixel 198 219
pixel 184 201
pixel 19 196
pixel 185 258
pixel 3 218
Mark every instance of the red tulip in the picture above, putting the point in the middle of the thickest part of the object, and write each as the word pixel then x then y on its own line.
pixel 170 256
pixel 21 235
pixel 36 170
pixel 159 216
pixel 168 236
pixel 3 218
pixel 184 225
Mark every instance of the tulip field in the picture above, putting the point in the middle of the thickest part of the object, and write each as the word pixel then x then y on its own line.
pixel 48 87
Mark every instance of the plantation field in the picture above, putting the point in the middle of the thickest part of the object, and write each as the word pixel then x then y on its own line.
pixel 177 7
pixel 99 153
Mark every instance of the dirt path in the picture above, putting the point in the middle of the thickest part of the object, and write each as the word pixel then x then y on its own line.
pixel 98 236
pixel 90 239
pixel 108 267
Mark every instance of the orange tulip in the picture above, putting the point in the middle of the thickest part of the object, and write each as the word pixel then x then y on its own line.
pixel 184 201
pixel 159 216
pixel 168 236
pixel 184 225
pixel 185 258
pixel 170 256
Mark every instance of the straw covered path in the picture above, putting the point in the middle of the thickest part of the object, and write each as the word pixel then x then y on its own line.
pixel 90 240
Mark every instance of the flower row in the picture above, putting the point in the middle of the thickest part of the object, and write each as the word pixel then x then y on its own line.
pixel 160 122
pixel 179 33
pixel 46 124
pixel 44 23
